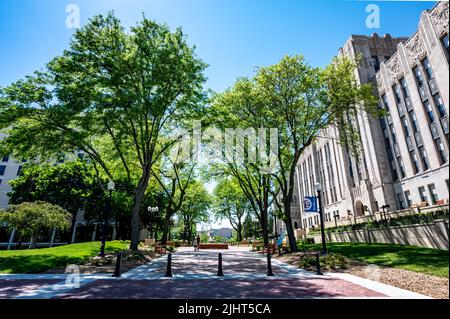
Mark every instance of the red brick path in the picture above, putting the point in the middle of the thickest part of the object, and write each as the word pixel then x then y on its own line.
pixel 220 289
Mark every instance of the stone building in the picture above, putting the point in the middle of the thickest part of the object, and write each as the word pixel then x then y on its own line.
pixel 403 158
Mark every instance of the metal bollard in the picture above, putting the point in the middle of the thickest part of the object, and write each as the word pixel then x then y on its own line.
pixel 319 272
pixel 117 272
pixel 220 271
pixel 169 265
pixel 269 265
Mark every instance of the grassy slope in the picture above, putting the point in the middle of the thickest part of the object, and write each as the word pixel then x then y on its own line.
pixel 39 260
pixel 429 261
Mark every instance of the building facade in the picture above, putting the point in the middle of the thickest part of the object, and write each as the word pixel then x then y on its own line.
pixel 9 170
pixel 402 158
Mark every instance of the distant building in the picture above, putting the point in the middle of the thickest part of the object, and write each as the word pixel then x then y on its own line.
pixel 226 233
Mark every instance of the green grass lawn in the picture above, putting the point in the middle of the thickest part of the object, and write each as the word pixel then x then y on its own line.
pixel 423 260
pixel 39 260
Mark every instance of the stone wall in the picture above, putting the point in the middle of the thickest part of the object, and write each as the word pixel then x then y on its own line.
pixel 433 235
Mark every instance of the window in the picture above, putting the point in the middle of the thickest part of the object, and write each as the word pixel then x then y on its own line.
pixel 385 102
pixel 394 134
pixel 406 127
pixel 444 41
pixel 397 94
pixel 415 162
pixel 440 149
pixel 404 88
pixel 423 195
pixel 415 125
pixel 428 70
pixel 2 169
pixel 402 168
pixel 0 181
pixel 425 161
pixel 418 75
pixel 5 158
pixel 401 203
pixel 433 195
pixel 19 170
pixel 408 199
pixel 429 111
pixel 376 63
pixel 440 105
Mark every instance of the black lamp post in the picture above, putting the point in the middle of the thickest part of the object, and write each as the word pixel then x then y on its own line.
pixel 322 228
pixel 335 219
pixel 383 208
pixel 106 216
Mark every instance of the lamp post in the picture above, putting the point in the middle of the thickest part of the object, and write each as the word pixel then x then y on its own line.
pixel 335 219
pixel 152 210
pixel 322 229
pixel 106 216
pixel 383 208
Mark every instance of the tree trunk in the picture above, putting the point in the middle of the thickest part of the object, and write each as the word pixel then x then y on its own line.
pixel 265 233
pixel 289 226
pixel 135 218
pixel 166 227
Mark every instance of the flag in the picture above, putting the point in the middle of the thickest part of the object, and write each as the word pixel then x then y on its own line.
pixel 310 204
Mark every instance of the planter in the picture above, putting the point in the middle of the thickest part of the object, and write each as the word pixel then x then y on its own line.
pixel 213 246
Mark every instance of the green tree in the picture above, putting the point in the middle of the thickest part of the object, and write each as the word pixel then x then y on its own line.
pixel 194 209
pixel 113 87
pixel 300 101
pixel 231 203
pixel 32 218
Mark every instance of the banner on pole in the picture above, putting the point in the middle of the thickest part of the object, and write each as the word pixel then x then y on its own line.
pixel 310 204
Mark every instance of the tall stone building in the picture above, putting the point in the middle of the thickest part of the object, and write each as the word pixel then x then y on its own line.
pixel 403 158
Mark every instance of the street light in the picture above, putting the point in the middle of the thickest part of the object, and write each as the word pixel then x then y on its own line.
pixel 383 208
pixel 152 210
pixel 322 229
pixel 106 215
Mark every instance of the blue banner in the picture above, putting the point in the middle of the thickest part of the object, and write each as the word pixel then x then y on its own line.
pixel 310 204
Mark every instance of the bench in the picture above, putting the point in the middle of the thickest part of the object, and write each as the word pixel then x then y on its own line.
pixel 269 249
pixel 257 244
pixel 160 249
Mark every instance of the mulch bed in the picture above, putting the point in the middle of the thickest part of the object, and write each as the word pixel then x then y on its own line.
pixel 107 264
pixel 428 285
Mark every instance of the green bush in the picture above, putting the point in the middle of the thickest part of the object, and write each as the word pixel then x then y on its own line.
pixel 331 261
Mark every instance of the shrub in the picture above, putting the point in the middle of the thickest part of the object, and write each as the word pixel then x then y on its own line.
pixel 331 261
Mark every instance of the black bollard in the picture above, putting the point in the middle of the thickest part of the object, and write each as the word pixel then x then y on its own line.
pixel 319 272
pixel 169 265
pixel 220 271
pixel 117 270
pixel 269 265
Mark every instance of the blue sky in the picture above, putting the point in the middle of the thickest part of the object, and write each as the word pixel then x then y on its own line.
pixel 232 36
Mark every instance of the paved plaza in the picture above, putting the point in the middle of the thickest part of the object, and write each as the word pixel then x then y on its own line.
pixel 195 277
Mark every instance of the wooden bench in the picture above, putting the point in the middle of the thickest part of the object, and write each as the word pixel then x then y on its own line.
pixel 269 249
pixel 257 244
pixel 160 249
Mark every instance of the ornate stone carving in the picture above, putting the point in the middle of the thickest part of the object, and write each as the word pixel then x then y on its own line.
pixel 393 68
pixel 439 17
pixel 379 81
pixel 414 49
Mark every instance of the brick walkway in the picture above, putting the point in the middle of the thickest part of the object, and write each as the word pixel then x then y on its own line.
pixel 194 277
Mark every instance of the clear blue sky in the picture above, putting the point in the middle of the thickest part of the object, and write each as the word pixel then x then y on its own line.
pixel 232 36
